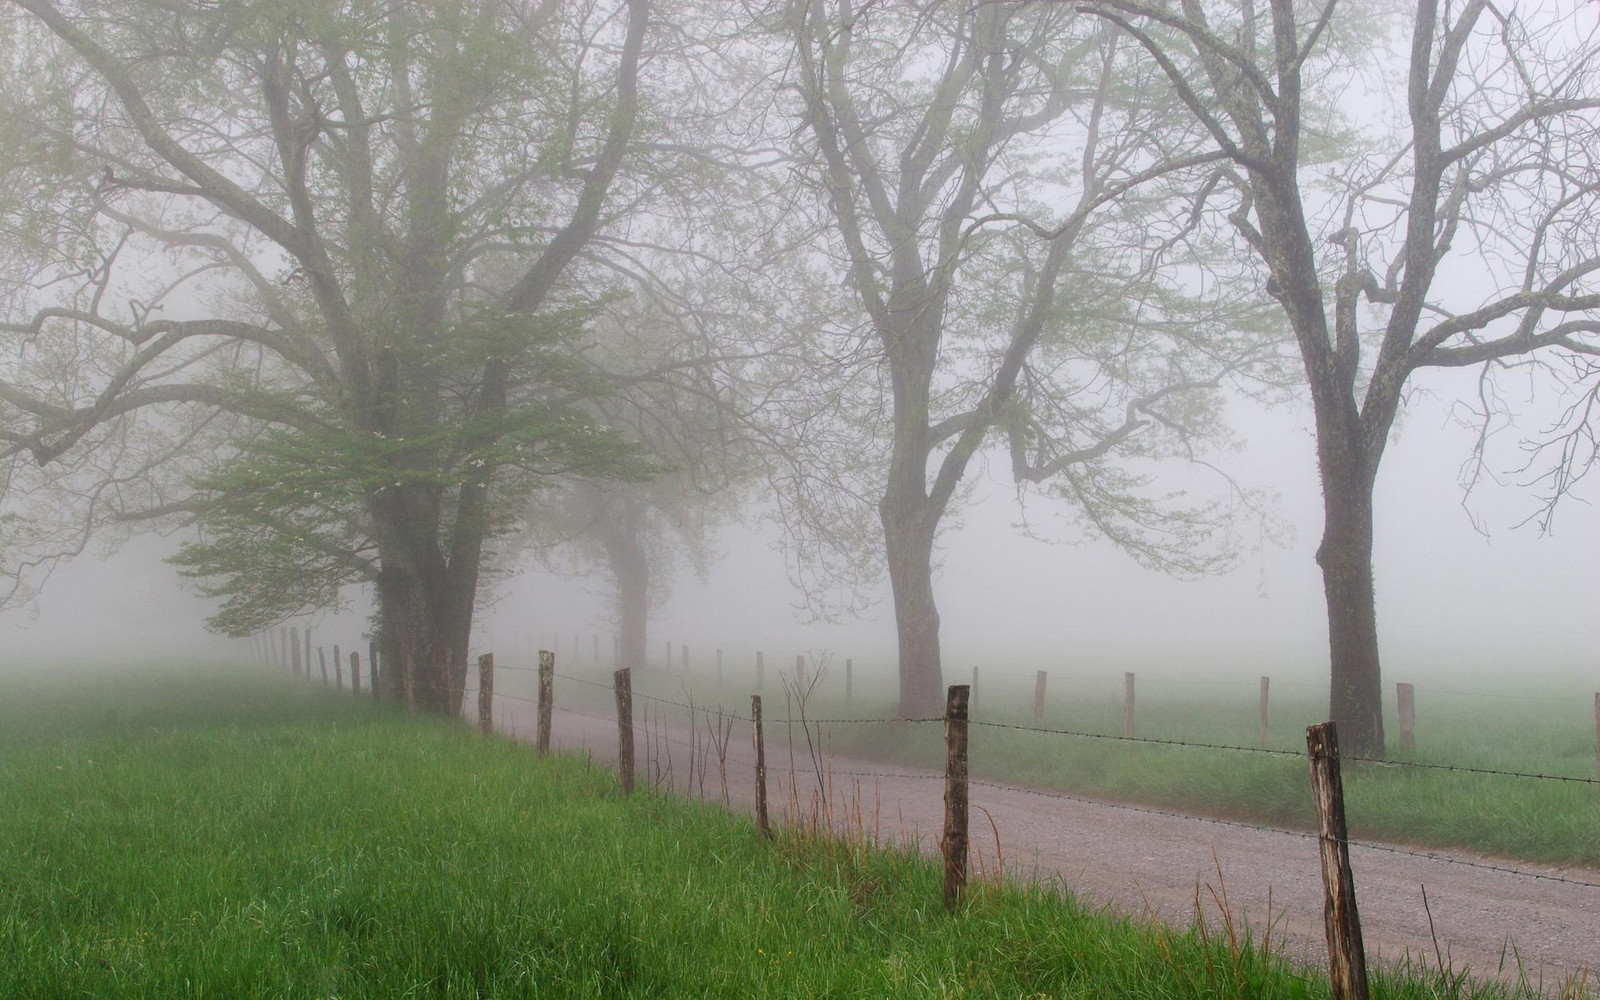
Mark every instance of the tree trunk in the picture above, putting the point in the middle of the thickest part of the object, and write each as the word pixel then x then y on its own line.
pixel 1356 694
pixel 630 564
pixel 908 537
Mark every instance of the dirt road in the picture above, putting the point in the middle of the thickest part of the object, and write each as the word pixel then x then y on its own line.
pixel 1144 862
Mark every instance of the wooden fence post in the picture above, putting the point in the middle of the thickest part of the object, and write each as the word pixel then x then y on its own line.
pixel 1405 697
pixel 338 667
pixel 1127 704
pixel 1038 696
pixel 355 673
pixel 624 688
pixel 547 696
pixel 486 693
pixel 759 738
pixel 1347 960
pixel 1265 681
pixel 761 671
pixel 849 679
pixel 372 668
pixel 954 844
pixel 322 661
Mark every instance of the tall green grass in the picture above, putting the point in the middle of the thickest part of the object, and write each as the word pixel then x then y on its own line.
pixel 233 834
pixel 1531 819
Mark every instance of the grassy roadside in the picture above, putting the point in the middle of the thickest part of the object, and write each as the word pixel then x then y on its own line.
pixel 1554 822
pixel 232 834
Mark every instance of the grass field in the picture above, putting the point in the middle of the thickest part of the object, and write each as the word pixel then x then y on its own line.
pixel 229 833
pixel 1556 822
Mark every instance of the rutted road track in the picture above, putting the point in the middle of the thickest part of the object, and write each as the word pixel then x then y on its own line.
pixel 1488 922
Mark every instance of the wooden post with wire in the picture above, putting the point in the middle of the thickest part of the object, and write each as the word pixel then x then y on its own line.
pixel 486 693
pixel 547 697
pixel 1347 960
pixel 954 843
pixel 355 673
pixel 623 682
pixel 763 823
pixel 1265 682
pixel 1038 696
pixel 322 661
pixel 1405 702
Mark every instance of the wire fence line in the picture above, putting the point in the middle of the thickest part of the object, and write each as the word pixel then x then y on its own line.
pixel 922 775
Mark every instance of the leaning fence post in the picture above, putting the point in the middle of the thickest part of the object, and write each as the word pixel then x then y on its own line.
pixel 547 689
pixel 1127 704
pixel 759 738
pixel 322 661
pixel 486 693
pixel 1405 697
pixel 954 844
pixel 1265 681
pixel 1038 696
pixel 355 673
pixel 1347 961
pixel 624 689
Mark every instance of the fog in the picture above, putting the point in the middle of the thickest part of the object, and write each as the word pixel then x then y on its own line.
pixel 1485 611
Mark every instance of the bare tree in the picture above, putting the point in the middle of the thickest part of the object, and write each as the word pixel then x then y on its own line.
pixel 1004 197
pixel 1468 238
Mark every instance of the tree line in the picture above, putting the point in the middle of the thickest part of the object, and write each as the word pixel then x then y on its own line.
pixel 382 294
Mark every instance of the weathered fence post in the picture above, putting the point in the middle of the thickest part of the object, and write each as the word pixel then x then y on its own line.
pixel 1127 704
pixel 338 667
pixel 624 687
pixel 954 844
pixel 761 671
pixel 849 679
pixel 547 695
pixel 1405 698
pixel 355 673
pixel 322 661
pixel 1038 696
pixel 486 693
pixel 294 652
pixel 372 668
pixel 759 738
pixel 1265 681
pixel 1347 960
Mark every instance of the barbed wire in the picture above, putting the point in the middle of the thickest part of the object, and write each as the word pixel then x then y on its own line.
pixel 1113 737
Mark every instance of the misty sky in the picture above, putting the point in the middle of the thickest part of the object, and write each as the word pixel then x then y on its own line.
pixel 1450 601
